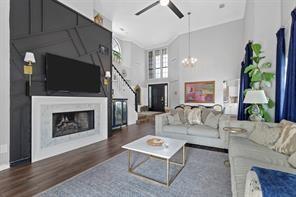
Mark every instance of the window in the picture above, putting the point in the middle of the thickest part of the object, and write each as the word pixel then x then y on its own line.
pixel 116 51
pixel 158 64
pixel 165 64
pixel 116 45
pixel 150 65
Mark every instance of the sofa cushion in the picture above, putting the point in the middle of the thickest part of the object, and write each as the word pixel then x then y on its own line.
pixel 265 135
pixel 206 111
pixel 286 142
pixel 180 111
pixel 204 114
pixel 194 116
pixel 174 119
pixel 243 147
pixel 240 167
pixel 292 160
pixel 213 120
pixel 203 131
pixel 179 129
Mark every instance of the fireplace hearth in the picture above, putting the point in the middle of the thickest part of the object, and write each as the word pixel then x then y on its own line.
pixel 67 123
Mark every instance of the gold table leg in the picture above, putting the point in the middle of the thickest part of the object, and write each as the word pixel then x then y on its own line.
pixel 168 173
pixel 129 161
pixel 168 162
pixel 184 155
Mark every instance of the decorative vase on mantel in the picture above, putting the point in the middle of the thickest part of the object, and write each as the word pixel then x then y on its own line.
pixel 98 19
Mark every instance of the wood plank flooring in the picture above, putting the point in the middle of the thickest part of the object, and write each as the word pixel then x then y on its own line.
pixel 31 179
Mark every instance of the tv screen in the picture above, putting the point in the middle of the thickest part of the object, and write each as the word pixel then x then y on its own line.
pixel 64 74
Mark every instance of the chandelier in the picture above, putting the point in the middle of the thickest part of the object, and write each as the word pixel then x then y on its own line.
pixel 189 61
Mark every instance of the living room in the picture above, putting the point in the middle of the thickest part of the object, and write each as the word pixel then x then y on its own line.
pixel 148 98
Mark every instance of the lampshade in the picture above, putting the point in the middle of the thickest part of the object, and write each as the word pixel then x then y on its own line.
pixel 255 97
pixel 108 74
pixel 29 57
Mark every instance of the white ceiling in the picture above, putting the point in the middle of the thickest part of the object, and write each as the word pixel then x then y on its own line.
pixel 159 25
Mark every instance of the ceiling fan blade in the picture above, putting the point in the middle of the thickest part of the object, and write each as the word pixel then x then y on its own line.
pixel 175 10
pixel 147 8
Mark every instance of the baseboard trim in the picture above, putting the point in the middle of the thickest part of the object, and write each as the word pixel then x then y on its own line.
pixel 207 148
pixel 21 162
pixel 4 167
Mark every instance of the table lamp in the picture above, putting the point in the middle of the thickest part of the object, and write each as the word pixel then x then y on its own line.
pixel 255 97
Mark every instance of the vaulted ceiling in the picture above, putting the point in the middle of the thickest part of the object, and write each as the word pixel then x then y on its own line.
pixel 159 25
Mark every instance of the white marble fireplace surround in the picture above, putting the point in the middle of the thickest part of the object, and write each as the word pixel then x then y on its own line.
pixel 44 145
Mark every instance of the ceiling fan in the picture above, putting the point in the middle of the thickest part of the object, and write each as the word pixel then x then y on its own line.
pixel 168 3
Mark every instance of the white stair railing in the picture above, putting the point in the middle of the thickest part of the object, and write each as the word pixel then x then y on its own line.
pixel 122 89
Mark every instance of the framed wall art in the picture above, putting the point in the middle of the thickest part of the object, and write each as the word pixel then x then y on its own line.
pixel 200 92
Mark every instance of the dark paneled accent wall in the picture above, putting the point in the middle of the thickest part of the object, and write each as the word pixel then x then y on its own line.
pixel 47 26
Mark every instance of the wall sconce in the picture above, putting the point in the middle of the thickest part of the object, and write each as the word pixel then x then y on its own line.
pixel 107 78
pixel 28 69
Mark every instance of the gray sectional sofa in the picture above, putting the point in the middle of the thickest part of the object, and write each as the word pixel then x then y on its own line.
pixel 243 153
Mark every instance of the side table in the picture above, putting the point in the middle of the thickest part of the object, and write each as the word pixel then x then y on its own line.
pixel 236 131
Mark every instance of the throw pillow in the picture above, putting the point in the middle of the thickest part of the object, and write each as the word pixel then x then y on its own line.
pixel 187 110
pixel 194 116
pixel 287 135
pixel 265 135
pixel 174 119
pixel 292 160
pixel 206 111
pixel 213 120
pixel 204 114
pixel 285 123
pixel 180 111
pixel 286 126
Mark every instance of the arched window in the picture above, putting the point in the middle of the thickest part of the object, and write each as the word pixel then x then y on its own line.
pixel 116 45
pixel 116 50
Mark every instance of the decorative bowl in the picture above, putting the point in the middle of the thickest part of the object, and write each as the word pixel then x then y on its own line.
pixel 155 142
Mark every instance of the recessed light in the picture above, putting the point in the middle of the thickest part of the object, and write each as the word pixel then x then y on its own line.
pixel 121 29
pixel 222 5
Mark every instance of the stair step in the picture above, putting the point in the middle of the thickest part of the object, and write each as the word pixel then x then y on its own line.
pixel 142 118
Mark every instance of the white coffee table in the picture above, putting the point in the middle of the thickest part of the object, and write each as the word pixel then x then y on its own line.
pixel 159 152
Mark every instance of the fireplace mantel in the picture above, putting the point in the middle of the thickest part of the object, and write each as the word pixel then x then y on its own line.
pixel 44 145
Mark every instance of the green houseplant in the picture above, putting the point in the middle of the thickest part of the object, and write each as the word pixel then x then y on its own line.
pixel 260 79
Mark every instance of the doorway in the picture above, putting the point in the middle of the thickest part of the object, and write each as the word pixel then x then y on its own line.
pixel 158 97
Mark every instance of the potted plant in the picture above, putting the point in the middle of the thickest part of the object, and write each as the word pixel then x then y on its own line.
pixel 98 19
pixel 260 79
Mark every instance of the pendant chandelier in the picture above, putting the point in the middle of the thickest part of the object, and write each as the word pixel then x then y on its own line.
pixel 189 61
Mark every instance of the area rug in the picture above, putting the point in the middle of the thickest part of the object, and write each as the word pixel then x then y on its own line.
pixel 203 175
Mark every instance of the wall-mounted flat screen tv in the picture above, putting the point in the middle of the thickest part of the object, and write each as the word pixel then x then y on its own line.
pixel 64 74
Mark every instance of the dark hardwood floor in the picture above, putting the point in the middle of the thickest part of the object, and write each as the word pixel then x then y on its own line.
pixel 33 178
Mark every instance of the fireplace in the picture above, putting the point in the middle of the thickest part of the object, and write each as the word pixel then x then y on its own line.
pixel 85 120
pixel 67 123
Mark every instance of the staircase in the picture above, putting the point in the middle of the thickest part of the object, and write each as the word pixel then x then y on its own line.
pixel 122 89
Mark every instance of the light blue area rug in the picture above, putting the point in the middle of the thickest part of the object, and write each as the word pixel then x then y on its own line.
pixel 203 175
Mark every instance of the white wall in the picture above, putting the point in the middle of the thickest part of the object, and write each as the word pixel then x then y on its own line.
pixel 4 84
pixel 98 8
pixel 261 26
pixel 85 7
pixel 287 8
pixel 88 8
pixel 174 72
pixel 133 61
pixel 219 52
